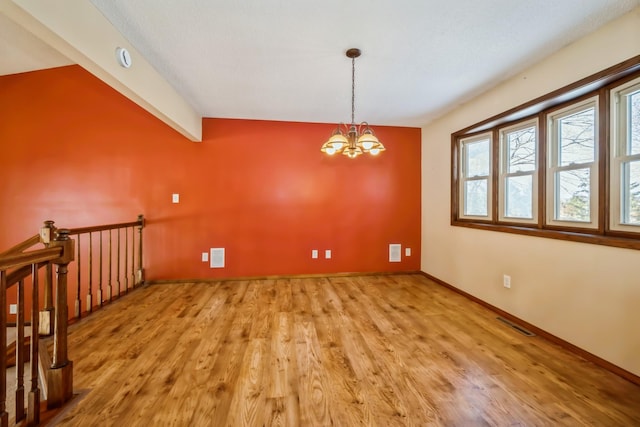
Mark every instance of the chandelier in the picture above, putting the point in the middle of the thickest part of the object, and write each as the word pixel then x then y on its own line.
pixel 353 140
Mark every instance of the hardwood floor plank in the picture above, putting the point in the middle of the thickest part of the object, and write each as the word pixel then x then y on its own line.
pixel 371 350
pixel 312 389
pixel 247 405
pixel 283 371
pixel 349 397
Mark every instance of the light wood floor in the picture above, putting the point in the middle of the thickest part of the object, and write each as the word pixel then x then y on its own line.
pixel 379 350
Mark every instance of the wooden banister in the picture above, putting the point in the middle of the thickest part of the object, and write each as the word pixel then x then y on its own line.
pixel 22 246
pixel 28 258
pixel 92 229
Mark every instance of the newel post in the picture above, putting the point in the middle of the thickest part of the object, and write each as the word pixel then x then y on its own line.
pixel 60 376
pixel 46 314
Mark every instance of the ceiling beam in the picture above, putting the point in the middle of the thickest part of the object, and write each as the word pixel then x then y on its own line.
pixel 79 31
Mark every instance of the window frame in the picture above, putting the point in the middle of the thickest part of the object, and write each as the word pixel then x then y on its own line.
pixel 553 166
pixel 619 154
pixel 465 142
pixel 604 233
pixel 504 174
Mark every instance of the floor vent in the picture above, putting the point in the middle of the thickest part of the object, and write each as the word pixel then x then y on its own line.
pixel 517 327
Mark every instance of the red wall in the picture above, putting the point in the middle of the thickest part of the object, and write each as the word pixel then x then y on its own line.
pixel 75 151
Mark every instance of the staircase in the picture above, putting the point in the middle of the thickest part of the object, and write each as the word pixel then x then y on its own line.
pixel 110 262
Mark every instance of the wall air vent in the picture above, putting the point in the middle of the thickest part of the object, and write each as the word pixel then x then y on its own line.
pixel 517 327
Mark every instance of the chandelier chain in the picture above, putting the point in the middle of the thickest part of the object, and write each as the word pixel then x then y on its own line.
pixel 353 90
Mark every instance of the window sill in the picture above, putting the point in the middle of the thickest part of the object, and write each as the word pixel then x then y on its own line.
pixel 608 239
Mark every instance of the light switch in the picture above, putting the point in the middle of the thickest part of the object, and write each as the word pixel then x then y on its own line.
pixel 205 256
pixel 175 198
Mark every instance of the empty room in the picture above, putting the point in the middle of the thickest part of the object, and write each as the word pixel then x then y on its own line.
pixel 252 213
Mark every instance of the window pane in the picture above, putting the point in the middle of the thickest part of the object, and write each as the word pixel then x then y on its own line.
pixel 521 149
pixel 577 138
pixel 519 197
pixel 573 195
pixel 634 124
pixel 631 190
pixel 475 197
pixel 477 158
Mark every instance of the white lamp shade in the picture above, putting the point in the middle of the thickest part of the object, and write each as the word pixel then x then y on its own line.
pixel 368 140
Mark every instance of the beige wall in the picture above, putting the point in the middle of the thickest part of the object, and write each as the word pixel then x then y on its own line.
pixel 588 295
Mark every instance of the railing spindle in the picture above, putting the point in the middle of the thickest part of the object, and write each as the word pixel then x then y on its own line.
pixel 47 311
pixel 20 353
pixel 133 257
pixel 33 406
pixel 110 287
pixel 90 294
pixel 126 258
pixel 78 312
pixel 100 278
pixel 140 270
pixel 118 265
pixel 4 416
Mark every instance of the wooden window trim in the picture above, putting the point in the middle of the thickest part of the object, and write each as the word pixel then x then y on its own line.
pixel 598 84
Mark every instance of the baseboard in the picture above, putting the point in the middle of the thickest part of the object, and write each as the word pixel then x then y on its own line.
pixel 284 276
pixel 629 376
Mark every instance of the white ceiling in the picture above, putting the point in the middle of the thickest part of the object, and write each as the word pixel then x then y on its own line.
pixel 284 60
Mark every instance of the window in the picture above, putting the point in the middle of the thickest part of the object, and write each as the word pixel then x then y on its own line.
pixel 519 172
pixel 625 158
pixel 563 166
pixel 573 174
pixel 476 170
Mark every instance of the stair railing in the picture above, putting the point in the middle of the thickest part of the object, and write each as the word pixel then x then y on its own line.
pixel 108 263
pixel 21 263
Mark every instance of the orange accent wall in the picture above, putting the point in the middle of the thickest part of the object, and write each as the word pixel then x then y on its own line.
pixel 77 152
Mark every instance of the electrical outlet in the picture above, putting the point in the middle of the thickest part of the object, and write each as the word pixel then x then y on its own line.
pixel 506 281
pixel 13 309
pixel 175 198
pixel 314 254
pixel 205 257
pixel 327 254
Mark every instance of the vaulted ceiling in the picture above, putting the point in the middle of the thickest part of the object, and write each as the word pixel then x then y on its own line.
pixel 284 60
